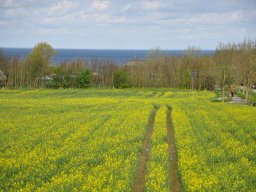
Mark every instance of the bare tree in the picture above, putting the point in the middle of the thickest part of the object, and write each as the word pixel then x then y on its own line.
pixel 245 60
pixel 225 71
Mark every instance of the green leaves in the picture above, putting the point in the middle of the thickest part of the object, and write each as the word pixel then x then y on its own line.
pixel 84 79
pixel 39 63
pixel 121 79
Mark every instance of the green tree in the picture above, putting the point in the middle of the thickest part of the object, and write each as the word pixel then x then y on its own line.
pixel 121 79
pixel 39 62
pixel 84 79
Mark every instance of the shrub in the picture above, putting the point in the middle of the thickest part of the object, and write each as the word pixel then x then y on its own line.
pixel 84 79
pixel 121 79
pixel 55 82
pixel 209 83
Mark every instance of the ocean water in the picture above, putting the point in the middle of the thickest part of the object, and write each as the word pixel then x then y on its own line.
pixel 118 56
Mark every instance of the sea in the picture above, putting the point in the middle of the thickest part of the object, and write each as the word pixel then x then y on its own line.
pixel 118 56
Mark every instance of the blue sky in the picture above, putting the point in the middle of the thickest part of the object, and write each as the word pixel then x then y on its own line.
pixel 126 24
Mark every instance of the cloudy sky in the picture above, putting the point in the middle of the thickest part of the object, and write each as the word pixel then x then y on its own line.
pixel 126 24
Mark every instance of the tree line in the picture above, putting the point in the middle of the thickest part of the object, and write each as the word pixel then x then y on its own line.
pixel 232 63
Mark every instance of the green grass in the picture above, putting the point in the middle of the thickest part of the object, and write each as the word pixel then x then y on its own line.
pixel 218 95
pixel 253 97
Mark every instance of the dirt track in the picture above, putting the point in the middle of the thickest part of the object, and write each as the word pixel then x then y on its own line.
pixel 142 164
pixel 175 184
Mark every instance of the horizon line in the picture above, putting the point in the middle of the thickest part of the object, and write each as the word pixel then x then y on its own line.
pixel 114 49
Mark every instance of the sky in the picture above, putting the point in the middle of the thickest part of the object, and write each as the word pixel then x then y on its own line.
pixel 126 24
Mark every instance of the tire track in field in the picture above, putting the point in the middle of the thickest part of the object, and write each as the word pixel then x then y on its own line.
pixel 175 184
pixel 142 163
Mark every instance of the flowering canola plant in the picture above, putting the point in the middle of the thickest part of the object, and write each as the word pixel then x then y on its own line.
pixel 52 142
pixel 157 177
pixel 216 146
pixel 91 140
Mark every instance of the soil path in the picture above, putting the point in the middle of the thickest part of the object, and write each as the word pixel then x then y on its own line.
pixel 237 99
pixel 142 163
pixel 175 184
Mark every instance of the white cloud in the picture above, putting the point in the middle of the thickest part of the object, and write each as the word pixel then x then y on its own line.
pixel 14 3
pixel 211 19
pixel 133 21
pixel 216 18
pixel 61 6
pixel 61 20
pixel 82 19
pixel 18 11
pixel 126 8
pixel 9 3
pixel 237 16
pixel 153 5
pixel 52 31
pixel 3 23
pixel 99 5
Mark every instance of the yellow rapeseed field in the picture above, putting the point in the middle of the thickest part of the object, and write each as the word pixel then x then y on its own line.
pixel 91 140
pixel 157 178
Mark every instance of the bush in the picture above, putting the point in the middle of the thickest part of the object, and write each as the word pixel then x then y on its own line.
pixel 67 81
pixel 121 79
pixel 209 83
pixel 55 82
pixel 84 79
